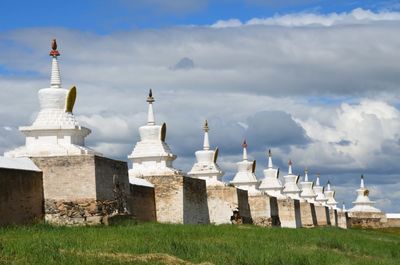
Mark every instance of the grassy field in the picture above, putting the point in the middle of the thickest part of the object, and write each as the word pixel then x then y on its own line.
pixel 188 244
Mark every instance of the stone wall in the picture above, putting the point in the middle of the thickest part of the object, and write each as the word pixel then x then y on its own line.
pixel 21 196
pixel 393 222
pixel 180 199
pixel 322 213
pixel 222 200
pixel 367 220
pixel 289 213
pixel 264 210
pixel 343 219
pixel 83 189
pixel 142 203
pixel 333 217
pixel 308 215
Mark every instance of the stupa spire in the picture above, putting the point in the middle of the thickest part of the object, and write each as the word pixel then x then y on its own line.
pixel 306 175
pixel 362 181
pixel 328 186
pixel 317 181
pixel 290 172
pixel 206 144
pixel 150 114
pixel 270 165
pixel 244 145
pixel 55 80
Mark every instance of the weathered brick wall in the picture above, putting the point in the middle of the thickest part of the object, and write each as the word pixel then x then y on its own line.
pixel 367 220
pixel 222 200
pixel 180 199
pixel 308 214
pixel 322 213
pixel 289 213
pixel 142 203
pixel 83 189
pixel 263 209
pixel 21 196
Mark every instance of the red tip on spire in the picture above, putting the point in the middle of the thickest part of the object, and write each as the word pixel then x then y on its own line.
pixel 54 51
pixel 290 162
pixel 244 145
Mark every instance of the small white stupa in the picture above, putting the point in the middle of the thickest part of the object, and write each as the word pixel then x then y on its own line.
pixel 291 189
pixel 319 191
pixel 152 156
pixel 330 195
pixel 307 192
pixel 245 178
pixel 55 132
pixel 271 183
pixel 206 166
pixel 362 203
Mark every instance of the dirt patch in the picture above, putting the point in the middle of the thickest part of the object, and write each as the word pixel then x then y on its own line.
pixel 151 257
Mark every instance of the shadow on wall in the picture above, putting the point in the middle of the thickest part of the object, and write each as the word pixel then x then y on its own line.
pixel 195 206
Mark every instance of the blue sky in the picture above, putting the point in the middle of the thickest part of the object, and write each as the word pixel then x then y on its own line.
pixel 103 16
pixel 315 81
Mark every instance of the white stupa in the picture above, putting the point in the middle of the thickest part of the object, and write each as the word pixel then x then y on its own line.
pixel 307 192
pixel 55 132
pixel 152 156
pixel 319 191
pixel 271 184
pixel 330 195
pixel 245 178
pixel 362 203
pixel 206 166
pixel 291 189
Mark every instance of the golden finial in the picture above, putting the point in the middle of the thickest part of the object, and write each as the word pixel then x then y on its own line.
pixel 150 98
pixel 244 145
pixel 54 51
pixel 205 127
pixel 290 162
pixel 269 153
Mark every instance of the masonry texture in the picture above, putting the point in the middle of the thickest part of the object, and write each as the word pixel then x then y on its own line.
pixel 83 189
pixel 142 203
pixel 343 220
pixel 323 218
pixel 308 215
pixel 289 213
pixel 21 196
pixel 180 199
pixel 222 200
pixel 264 210
pixel 333 216
pixel 367 220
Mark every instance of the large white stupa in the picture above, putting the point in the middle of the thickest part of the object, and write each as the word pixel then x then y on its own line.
pixel 55 132
pixel 330 195
pixel 152 156
pixel 319 191
pixel 245 178
pixel 307 192
pixel 206 166
pixel 271 184
pixel 362 203
pixel 291 189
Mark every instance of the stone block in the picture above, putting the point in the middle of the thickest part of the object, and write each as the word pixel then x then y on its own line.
pixel 21 196
pixel 333 217
pixel 322 213
pixel 180 199
pixel 343 219
pixel 308 215
pixel 289 213
pixel 264 210
pixel 142 203
pixel 222 200
pixel 78 187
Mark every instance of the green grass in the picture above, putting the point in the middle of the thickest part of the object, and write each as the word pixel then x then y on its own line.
pixel 151 243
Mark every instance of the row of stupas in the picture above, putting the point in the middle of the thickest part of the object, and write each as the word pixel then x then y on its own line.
pixel 56 132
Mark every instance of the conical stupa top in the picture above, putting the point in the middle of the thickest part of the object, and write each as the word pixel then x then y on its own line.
pixel 270 165
pixel 305 175
pixel 206 144
pixel 362 181
pixel 290 167
pixel 244 145
pixel 150 114
pixel 55 80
